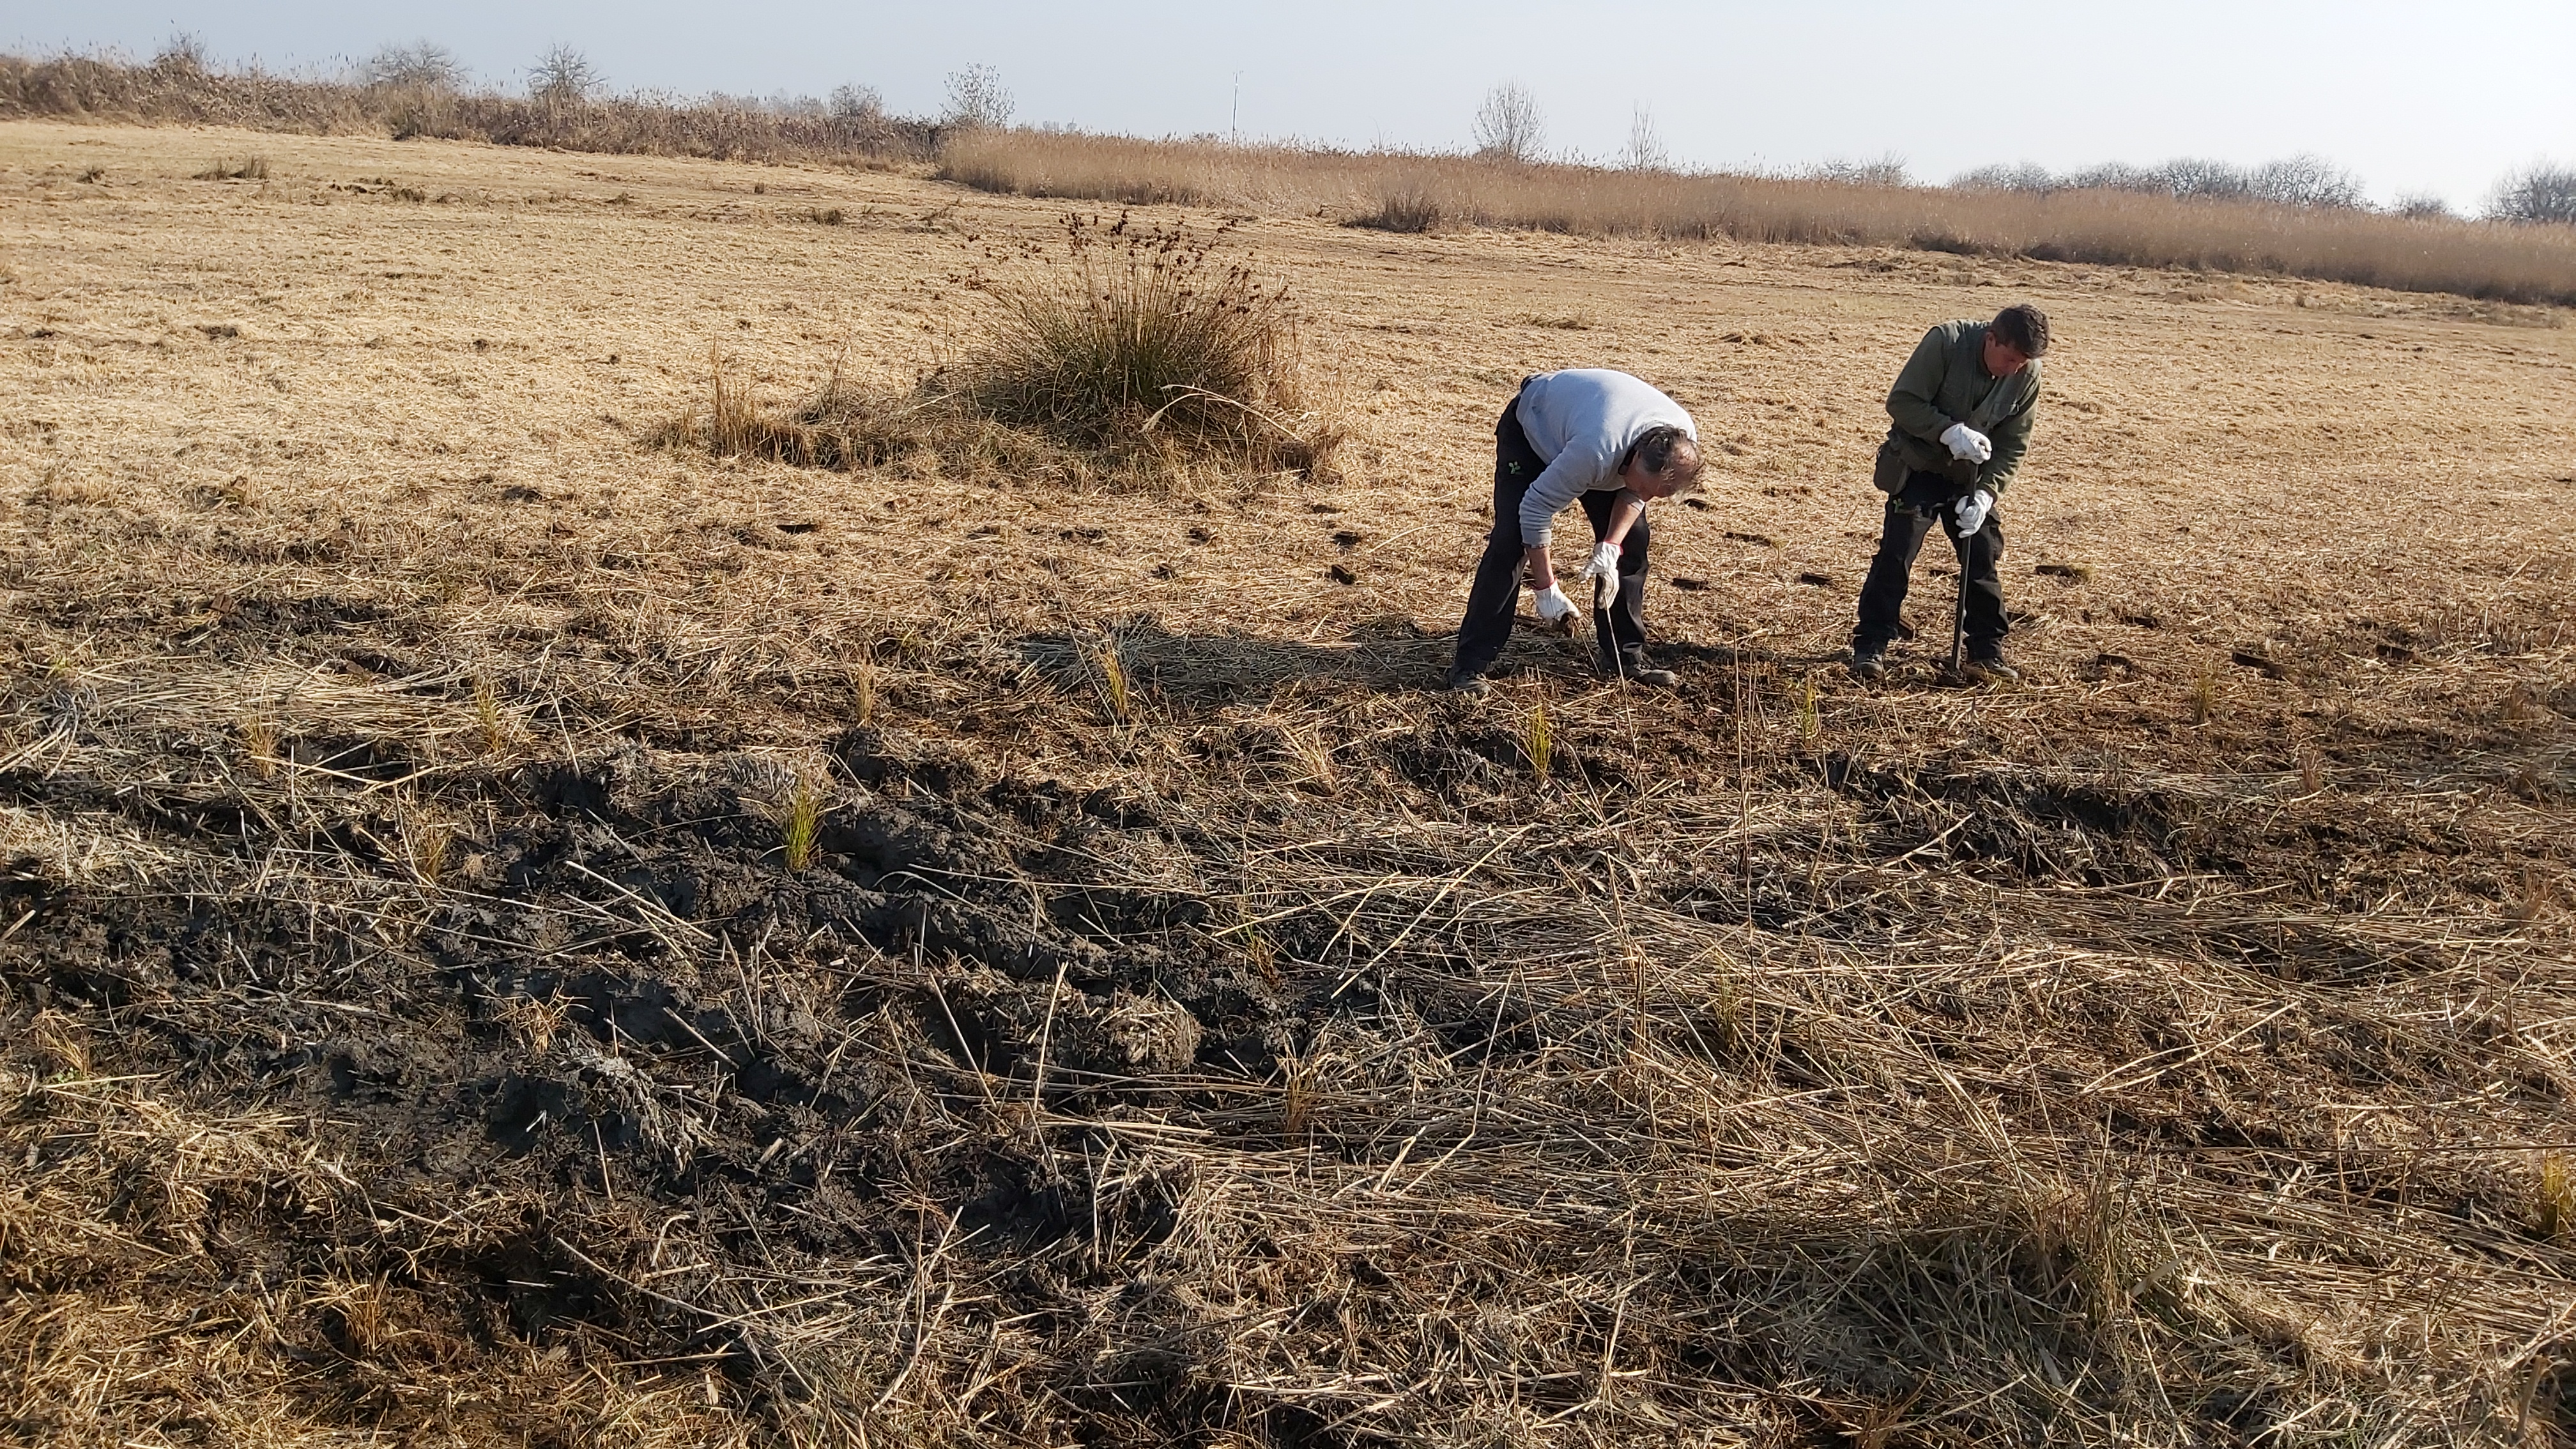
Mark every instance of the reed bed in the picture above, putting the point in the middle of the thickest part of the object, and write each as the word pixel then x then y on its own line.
pixel 1404 192
pixel 163 93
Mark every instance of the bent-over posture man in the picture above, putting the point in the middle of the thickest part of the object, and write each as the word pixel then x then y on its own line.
pixel 1612 442
pixel 1962 411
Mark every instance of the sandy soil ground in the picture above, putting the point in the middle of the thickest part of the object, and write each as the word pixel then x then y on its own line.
pixel 333 496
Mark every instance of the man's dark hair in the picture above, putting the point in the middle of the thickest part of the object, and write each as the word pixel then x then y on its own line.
pixel 1655 447
pixel 2023 328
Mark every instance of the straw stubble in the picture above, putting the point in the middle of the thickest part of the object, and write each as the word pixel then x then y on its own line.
pixel 1261 1058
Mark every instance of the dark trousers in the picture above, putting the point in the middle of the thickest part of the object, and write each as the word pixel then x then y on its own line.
pixel 1922 506
pixel 1494 603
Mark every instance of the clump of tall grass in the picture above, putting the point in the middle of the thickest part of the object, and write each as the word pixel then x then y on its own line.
pixel 863 689
pixel 260 745
pixel 429 843
pixel 1538 742
pixel 800 823
pixel 1115 691
pixel 2554 1197
pixel 491 726
pixel 1130 356
pixel 1146 340
pixel 1409 209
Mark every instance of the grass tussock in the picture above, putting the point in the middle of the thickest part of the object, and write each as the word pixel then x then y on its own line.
pixel 252 168
pixel 2554 1197
pixel 1137 339
pixel 492 728
pixel 1411 210
pixel 1538 742
pixel 1400 192
pixel 1117 693
pixel 863 689
pixel 430 846
pixel 1130 356
pixel 259 745
pixel 800 823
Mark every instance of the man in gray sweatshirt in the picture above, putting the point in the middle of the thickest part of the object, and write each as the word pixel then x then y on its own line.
pixel 1611 442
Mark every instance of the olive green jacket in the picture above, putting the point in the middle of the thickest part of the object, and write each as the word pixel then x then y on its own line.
pixel 1945 382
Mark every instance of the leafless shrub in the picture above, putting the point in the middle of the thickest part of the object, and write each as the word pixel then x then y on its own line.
pixel 2026 176
pixel 421 65
pixel 184 53
pixel 977 100
pixel 2303 180
pixel 1509 125
pixel 1645 149
pixel 856 104
pixel 2541 193
pixel 562 76
pixel 1886 171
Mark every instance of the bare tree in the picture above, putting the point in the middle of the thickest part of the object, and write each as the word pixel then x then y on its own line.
pixel 185 50
pixel 2027 176
pixel 977 100
pixel 562 76
pixel 2540 192
pixel 857 103
pixel 2424 206
pixel 2198 176
pixel 423 65
pixel 2113 176
pixel 1645 150
pixel 2302 180
pixel 1508 125
pixel 2306 180
pixel 1887 170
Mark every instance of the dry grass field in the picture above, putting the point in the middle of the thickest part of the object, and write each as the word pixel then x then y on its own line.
pixel 516 930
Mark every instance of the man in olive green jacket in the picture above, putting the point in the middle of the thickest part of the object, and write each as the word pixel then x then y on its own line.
pixel 1962 412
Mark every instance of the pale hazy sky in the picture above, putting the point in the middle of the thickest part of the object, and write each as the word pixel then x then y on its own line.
pixel 2425 98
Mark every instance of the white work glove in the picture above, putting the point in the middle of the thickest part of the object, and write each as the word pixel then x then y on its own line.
pixel 1604 567
pixel 1554 606
pixel 1967 444
pixel 1973 510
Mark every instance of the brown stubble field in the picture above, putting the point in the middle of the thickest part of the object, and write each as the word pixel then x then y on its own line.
pixel 1190 1025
